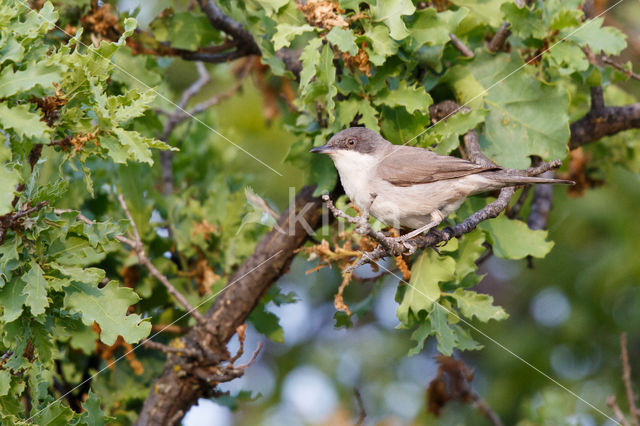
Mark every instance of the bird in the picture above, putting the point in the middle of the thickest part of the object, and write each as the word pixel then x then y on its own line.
pixel 411 187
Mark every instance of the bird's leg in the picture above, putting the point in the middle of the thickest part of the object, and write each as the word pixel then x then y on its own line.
pixel 363 220
pixel 436 218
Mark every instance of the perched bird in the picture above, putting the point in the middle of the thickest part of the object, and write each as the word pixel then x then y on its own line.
pixel 404 186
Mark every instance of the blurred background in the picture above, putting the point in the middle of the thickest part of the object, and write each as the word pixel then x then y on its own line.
pixel 567 311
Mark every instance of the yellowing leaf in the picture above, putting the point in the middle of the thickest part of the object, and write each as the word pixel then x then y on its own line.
pixel 423 290
pixel 479 305
pixel 108 307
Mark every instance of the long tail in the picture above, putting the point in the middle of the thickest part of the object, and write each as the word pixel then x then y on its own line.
pixel 513 180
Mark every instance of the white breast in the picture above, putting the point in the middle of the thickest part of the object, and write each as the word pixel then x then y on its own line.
pixel 355 170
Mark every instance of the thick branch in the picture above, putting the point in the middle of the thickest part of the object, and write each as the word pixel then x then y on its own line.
pixel 219 20
pixel 180 384
pixel 541 204
pixel 609 121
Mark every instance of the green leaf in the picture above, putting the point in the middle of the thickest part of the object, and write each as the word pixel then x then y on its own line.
pixel 325 86
pixel 609 40
pixel 9 254
pixel 524 22
pixel 445 133
pixel 267 323
pixel 565 18
pixel 439 319
pixel 382 45
pixel 419 335
pixel 80 274
pixel 11 51
pixel 390 12
pixel 185 30
pixel 55 414
pixel 399 126
pixel 323 174
pixel 8 181
pixel 22 120
pixel 526 117
pixel 310 58
pixel 479 305
pixel 343 39
pixel 349 109
pixel 272 6
pixel 12 299
pixel 432 28
pixel 486 11
pixel 464 340
pixel 35 289
pixel 136 144
pixel 512 239
pixel 93 413
pixel 470 249
pixel 39 74
pixel 567 58
pixel 5 382
pixel 423 290
pixel 413 98
pixel 108 307
pixel 286 33
pixel 74 251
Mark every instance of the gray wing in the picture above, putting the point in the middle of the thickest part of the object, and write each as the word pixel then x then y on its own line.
pixel 407 166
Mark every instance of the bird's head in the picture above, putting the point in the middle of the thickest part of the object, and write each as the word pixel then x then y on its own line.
pixel 355 139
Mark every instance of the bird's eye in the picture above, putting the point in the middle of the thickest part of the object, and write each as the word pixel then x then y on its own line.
pixel 351 141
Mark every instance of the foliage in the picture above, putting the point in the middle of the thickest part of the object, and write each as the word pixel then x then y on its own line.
pixel 79 125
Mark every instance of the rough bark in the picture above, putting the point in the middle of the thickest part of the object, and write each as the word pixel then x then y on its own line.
pixel 179 386
pixel 606 122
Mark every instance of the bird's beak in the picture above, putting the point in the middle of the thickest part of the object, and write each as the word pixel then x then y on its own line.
pixel 322 149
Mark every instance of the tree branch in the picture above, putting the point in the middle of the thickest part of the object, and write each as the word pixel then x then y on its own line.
pixel 541 204
pixel 245 42
pixel 182 381
pixel 136 244
pixel 626 378
pixel 609 121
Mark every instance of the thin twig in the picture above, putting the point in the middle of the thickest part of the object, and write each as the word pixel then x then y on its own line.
pixel 179 115
pixel 486 409
pixel 619 67
pixel 363 413
pixel 626 378
pixel 613 404
pixel 14 219
pixel 136 244
pixel 458 44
